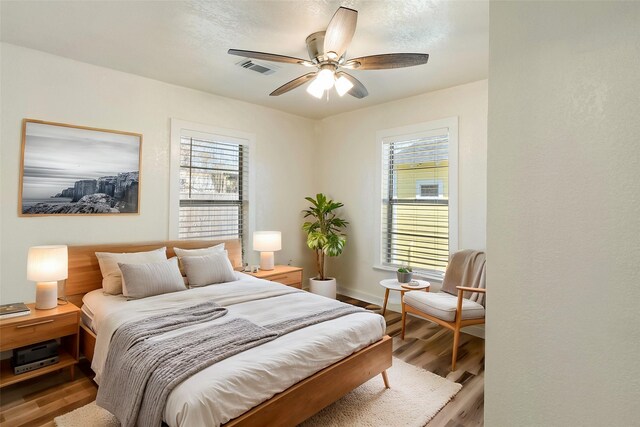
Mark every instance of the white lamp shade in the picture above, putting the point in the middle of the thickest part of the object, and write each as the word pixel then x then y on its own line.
pixel 47 263
pixel 326 78
pixel 343 85
pixel 316 88
pixel 267 241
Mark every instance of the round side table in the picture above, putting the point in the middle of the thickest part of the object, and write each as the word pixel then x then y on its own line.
pixel 394 285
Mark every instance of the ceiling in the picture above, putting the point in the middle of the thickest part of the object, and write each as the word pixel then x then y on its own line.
pixel 185 43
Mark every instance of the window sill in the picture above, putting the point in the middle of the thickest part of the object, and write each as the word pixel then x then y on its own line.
pixel 421 274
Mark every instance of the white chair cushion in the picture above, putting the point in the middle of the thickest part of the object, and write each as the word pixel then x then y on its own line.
pixel 443 305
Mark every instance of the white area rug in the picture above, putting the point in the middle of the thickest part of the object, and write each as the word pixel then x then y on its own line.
pixel 414 398
pixel 88 415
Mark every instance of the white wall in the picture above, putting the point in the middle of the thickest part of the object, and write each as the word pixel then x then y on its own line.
pixel 42 86
pixel 297 157
pixel 347 156
pixel 563 235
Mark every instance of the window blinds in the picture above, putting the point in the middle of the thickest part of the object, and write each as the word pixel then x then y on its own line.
pixel 415 200
pixel 213 189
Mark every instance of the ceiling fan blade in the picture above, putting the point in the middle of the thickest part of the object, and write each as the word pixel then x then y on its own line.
pixel 293 84
pixel 340 32
pixel 270 57
pixel 358 90
pixel 387 61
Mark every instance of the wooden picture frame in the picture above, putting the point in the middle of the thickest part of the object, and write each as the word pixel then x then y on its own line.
pixel 78 170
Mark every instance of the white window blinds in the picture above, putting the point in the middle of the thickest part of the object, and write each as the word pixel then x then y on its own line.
pixel 415 200
pixel 213 189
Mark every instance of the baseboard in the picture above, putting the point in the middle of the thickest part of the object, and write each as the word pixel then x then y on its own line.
pixel 371 299
pixel 362 296
pixel 475 330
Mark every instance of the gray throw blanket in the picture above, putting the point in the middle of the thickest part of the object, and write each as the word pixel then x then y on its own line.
pixel 139 374
pixel 466 268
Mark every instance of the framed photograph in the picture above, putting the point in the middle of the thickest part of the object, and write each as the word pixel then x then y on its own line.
pixel 77 170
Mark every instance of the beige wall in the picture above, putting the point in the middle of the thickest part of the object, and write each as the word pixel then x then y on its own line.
pixel 296 157
pixel 347 166
pixel 42 86
pixel 563 234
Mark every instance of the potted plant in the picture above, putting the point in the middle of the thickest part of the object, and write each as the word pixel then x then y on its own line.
pixel 325 238
pixel 405 274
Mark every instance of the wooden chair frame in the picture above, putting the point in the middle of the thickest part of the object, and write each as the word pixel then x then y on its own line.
pixel 455 326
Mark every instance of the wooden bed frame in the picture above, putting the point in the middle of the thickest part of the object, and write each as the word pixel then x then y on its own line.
pixel 289 408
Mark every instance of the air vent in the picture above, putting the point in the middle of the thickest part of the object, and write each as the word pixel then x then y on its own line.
pixel 257 66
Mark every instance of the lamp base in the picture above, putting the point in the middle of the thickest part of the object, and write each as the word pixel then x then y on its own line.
pixel 266 261
pixel 46 295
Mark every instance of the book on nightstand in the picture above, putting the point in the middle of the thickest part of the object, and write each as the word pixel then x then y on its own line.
pixel 14 310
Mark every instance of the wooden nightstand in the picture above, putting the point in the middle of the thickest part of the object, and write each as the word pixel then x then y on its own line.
pixel 41 325
pixel 285 274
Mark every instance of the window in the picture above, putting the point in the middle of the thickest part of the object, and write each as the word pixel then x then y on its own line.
pixel 212 185
pixel 418 182
pixel 212 191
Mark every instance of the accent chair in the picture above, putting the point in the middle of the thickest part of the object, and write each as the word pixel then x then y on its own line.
pixel 460 303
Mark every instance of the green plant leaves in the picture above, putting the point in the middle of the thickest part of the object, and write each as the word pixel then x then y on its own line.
pixel 325 232
pixel 316 240
pixel 334 245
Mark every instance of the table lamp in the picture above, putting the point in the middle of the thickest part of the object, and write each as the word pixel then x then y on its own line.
pixel 46 265
pixel 267 242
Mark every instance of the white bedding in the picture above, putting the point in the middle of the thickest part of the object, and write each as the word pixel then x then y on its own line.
pixel 231 387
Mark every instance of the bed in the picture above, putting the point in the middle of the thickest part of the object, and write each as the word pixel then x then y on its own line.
pixel 278 383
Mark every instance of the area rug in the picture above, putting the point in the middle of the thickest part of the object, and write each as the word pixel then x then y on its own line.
pixel 414 398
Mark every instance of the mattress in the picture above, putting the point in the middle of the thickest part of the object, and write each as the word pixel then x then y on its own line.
pixel 232 386
pixel 87 316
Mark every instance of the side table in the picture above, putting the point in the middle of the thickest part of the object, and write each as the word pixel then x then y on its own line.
pixel 61 322
pixel 394 285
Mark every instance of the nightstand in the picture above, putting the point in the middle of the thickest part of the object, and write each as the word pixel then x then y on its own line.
pixel 285 274
pixel 61 322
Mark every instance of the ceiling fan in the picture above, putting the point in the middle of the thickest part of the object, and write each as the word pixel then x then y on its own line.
pixel 327 54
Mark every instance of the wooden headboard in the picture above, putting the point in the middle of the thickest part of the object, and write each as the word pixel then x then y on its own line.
pixel 84 270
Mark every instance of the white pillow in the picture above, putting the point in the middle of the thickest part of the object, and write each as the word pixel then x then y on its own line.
pixel 208 269
pixel 145 280
pixel 111 275
pixel 181 253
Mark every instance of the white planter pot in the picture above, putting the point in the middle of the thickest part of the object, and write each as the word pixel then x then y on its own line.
pixel 326 288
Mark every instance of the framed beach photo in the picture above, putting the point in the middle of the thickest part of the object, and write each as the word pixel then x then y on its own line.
pixel 77 170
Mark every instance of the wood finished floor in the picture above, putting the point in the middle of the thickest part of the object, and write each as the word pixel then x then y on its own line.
pixel 429 346
pixel 37 402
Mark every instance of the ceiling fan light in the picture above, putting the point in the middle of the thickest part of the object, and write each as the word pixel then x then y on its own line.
pixel 316 88
pixel 343 85
pixel 326 78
